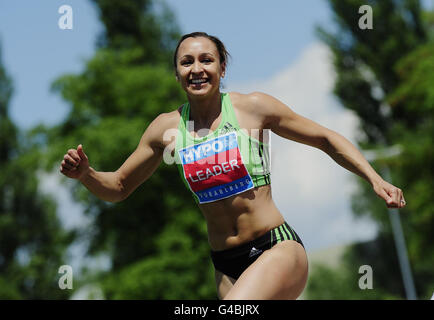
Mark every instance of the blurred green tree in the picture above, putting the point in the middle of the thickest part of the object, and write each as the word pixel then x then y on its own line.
pixel 385 76
pixel 33 244
pixel 156 239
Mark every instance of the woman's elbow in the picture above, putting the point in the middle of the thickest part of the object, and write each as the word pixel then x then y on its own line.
pixel 121 190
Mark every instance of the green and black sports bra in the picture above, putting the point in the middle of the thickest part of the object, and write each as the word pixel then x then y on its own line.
pixel 226 162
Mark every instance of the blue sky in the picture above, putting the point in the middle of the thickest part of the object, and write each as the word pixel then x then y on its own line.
pixel 261 38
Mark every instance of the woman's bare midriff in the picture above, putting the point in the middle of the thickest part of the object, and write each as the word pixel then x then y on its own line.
pixel 240 218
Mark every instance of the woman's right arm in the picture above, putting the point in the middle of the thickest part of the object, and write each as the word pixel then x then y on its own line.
pixel 118 185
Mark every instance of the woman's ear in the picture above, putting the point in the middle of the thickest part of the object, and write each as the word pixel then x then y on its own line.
pixel 223 69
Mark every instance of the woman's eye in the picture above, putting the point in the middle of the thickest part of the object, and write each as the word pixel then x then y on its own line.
pixel 185 63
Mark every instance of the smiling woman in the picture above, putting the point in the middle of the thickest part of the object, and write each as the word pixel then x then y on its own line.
pixel 206 58
pixel 255 252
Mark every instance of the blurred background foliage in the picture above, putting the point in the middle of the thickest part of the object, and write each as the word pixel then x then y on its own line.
pixel 385 75
pixel 156 239
pixel 32 242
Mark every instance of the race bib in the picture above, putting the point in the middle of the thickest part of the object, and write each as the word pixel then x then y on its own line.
pixel 214 169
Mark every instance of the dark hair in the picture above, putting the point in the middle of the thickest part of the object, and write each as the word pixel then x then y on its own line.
pixel 224 54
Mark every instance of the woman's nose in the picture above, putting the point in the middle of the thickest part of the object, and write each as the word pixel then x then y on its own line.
pixel 197 67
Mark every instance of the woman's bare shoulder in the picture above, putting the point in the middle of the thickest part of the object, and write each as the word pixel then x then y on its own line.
pixel 248 101
pixel 250 104
pixel 170 119
pixel 163 127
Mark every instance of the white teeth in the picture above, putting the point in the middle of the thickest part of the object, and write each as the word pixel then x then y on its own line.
pixel 198 81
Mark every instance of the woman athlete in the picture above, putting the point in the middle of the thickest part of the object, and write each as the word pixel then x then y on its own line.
pixel 256 254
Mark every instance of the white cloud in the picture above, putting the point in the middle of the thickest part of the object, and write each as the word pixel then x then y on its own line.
pixel 71 215
pixel 70 212
pixel 310 189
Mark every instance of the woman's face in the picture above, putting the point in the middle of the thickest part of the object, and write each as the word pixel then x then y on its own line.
pixel 198 66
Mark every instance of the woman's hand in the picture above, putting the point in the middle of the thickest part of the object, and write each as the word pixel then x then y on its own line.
pixel 75 163
pixel 393 196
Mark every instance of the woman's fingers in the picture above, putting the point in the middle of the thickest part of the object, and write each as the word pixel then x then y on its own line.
pixel 393 196
pixel 74 155
pixel 402 201
pixel 396 198
pixel 70 161
pixel 81 153
pixel 68 166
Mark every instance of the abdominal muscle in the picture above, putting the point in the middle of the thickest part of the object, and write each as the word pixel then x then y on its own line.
pixel 240 218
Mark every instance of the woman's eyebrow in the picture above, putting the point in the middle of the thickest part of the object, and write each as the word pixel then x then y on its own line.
pixel 202 54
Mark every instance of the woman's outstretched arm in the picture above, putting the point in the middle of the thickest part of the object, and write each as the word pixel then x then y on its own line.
pixel 118 185
pixel 105 185
pixel 286 123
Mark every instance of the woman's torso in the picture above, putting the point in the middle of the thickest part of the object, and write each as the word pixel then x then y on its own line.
pixel 244 216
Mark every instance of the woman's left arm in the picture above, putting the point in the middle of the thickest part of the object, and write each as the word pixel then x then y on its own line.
pixel 286 123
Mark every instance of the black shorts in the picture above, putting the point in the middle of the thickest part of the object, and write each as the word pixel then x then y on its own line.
pixel 234 261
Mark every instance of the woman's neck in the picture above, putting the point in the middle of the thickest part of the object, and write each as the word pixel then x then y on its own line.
pixel 205 111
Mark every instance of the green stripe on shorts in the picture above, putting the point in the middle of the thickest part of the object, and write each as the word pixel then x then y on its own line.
pixel 285 236
pixel 288 232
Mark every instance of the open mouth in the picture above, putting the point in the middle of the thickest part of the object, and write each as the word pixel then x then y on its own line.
pixel 198 82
